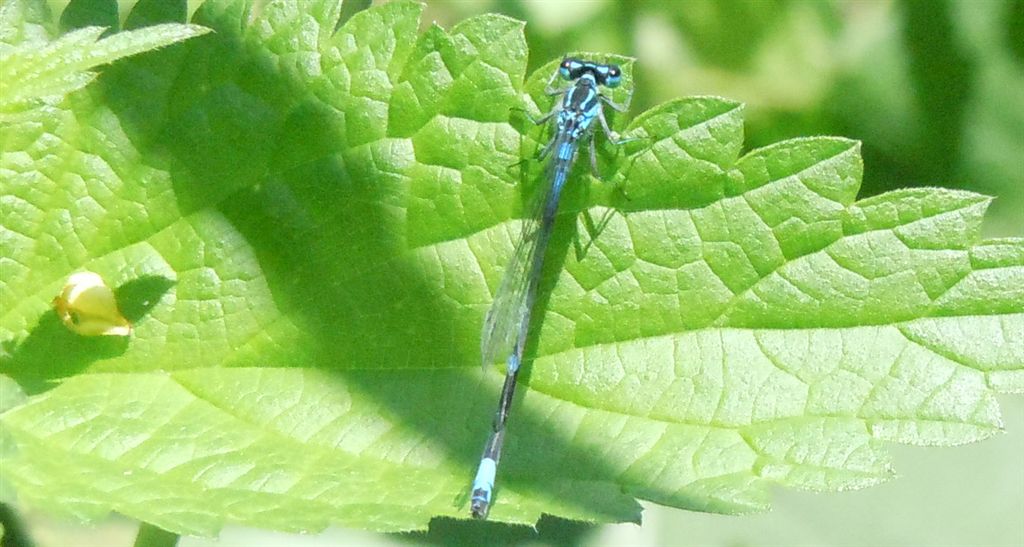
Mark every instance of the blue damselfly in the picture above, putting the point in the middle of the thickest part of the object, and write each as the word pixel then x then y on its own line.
pixel 507 324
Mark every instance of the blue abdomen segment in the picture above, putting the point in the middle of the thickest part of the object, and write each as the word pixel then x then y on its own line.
pixel 484 481
pixel 566 150
pixel 483 485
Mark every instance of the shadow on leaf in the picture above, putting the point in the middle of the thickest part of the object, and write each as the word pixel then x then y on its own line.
pixel 52 351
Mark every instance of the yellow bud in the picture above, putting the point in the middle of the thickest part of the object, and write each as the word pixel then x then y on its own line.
pixel 88 307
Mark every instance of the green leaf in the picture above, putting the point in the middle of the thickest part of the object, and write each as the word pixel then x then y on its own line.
pixel 37 71
pixel 306 227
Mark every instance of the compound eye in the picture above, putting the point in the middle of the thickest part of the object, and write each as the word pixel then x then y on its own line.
pixel 566 68
pixel 614 76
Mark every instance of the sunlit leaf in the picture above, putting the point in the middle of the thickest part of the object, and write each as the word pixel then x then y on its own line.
pixel 306 226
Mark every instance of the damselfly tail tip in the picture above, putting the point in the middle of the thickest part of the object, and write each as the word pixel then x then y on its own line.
pixel 483 485
pixel 480 506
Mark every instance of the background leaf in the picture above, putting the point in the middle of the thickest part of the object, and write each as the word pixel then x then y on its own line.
pixel 310 225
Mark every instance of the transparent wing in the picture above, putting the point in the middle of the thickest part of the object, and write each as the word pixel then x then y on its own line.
pixel 502 324
pixel 510 308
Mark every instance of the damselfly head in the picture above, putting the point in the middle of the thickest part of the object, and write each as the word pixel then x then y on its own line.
pixel 606 75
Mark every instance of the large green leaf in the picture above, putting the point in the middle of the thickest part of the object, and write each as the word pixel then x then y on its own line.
pixel 307 227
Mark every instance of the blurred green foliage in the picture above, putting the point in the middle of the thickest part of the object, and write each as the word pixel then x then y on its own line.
pixel 933 88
